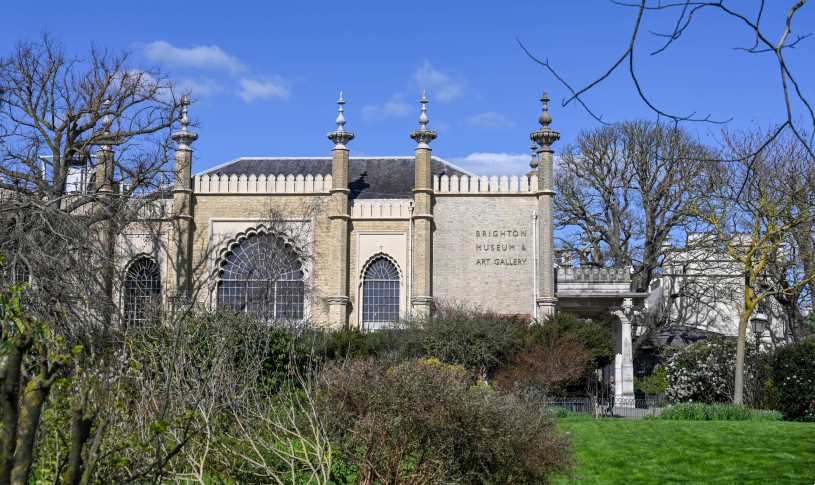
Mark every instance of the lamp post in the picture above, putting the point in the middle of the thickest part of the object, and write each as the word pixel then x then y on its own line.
pixel 759 323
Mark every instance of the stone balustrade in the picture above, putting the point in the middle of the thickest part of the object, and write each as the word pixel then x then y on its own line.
pixel 381 209
pixel 261 184
pixel 593 275
pixel 484 184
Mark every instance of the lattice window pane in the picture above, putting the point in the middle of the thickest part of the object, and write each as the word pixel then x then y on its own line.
pixel 20 274
pixel 380 294
pixel 263 276
pixel 142 292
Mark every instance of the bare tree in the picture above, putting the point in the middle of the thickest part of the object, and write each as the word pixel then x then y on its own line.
pixel 623 192
pixel 755 213
pixel 79 138
pixel 772 42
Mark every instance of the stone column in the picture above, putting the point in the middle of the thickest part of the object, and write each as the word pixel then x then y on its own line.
pixel 106 227
pixel 181 241
pixel 544 137
pixel 340 220
pixel 104 170
pixel 623 358
pixel 422 219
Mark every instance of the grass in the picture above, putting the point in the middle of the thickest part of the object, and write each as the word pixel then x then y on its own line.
pixel 664 452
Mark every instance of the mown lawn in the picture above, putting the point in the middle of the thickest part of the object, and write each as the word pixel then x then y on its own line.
pixel 663 452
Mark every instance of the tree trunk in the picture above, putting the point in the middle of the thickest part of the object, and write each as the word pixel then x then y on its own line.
pixel 738 392
pixel 81 422
pixel 34 396
pixel 9 400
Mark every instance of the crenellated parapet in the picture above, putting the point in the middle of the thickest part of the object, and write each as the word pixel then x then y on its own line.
pixel 464 184
pixel 262 184
pixel 381 209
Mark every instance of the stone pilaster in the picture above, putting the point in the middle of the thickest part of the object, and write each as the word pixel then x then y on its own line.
pixel 544 137
pixel 105 228
pixel 623 357
pixel 340 220
pixel 422 219
pixel 181 240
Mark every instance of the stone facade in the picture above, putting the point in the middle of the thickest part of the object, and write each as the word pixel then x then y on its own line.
pixel 485 252
pixel 448 235
pixel 375 238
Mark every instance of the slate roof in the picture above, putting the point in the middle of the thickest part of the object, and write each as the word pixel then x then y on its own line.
pixel 680 336
pixel 368 177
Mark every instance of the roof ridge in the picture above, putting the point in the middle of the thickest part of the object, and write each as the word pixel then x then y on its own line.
pixel 325 158
pixel 469 174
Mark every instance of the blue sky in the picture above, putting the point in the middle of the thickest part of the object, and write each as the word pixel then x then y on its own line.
pixel 266 75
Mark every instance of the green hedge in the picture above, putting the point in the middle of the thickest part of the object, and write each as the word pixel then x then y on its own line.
pixel 792 369
pixel 717 412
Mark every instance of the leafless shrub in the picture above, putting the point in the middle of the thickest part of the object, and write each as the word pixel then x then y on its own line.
pixel 421 422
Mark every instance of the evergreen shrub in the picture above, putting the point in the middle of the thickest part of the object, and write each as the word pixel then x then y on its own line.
pixel 792 369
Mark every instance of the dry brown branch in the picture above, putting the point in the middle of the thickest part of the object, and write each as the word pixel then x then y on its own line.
pixel 794 94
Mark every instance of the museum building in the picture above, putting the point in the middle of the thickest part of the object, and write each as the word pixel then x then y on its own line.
pixel 364 241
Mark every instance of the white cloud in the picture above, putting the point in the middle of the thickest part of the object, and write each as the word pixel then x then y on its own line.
pixel 200 57
pixel 439 85
pixel 395 108
pixel 254 90
pixel 439 125
pixel 143 81
pixel 489 120
pixel 482 163
pixel 201 88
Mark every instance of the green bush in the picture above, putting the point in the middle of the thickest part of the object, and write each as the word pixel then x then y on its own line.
pixel 561 412
pixel 792 370
pixel 717 412
pixel 481 341
pixel 348 343
pixel 596 335
pixel 655 384
pixel 423 422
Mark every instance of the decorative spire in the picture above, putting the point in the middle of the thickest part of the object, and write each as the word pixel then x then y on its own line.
pixel 340 117
pixel 534 162
pixel 106 121
pixel 545 136
pixel 545 118
pixel 423 136
pixel 185 120
pixel 106 138
pixel 184 137
pixel 340 137
pixel 423 118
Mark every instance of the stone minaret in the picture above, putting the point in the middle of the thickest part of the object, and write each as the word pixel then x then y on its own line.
pixel 339 214
pixel 544 137
pixel 104 157
pixel 182 206
pixel 422 292
pixel 106 227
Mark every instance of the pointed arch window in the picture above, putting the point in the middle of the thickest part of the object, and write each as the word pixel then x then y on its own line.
pixel 142 292
pixel 20 274
pixel 380 294
pixel 15 273
pixel 263 275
